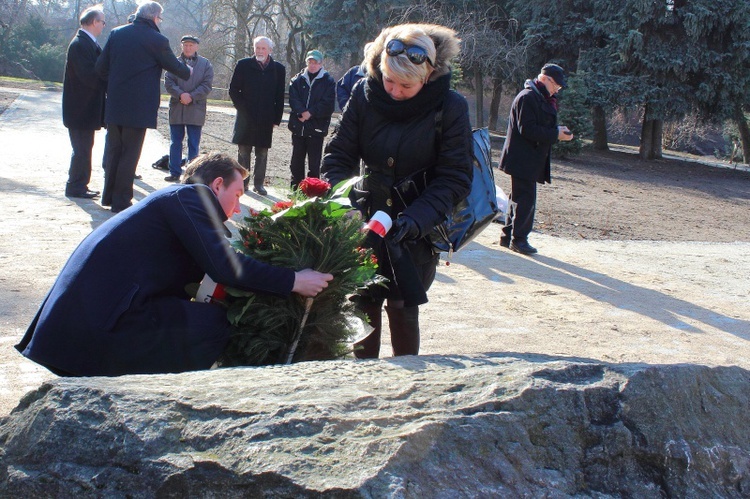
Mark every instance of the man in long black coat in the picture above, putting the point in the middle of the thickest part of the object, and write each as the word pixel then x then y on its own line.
pixel 532 130
pixel 132 62
pixel 257 91
pixel 119 306
pixel 83 101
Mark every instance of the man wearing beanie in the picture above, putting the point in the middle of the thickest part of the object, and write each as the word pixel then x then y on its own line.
pixel 312 97
pixel 532 130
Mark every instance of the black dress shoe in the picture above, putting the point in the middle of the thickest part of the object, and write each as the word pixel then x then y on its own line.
pixel 137 177
pixel 260 190
pixel 118 210
pixel 505 242
pixel 84 195
pixel 172 178
pixel 522 247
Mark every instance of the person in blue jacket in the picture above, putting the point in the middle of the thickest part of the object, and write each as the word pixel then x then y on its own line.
pixel 132 62
pixel 119 305
pixel 345 85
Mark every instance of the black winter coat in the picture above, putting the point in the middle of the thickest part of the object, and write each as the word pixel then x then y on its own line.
pixel 83 90
pixel 317 96
pixel 396 146
pixel 532 130
pixel 258 95
pixel 132 62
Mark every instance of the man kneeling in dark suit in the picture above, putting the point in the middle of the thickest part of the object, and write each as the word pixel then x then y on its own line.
pixel 119 306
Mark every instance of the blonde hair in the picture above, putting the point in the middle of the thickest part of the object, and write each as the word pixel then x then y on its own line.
pixel 399 67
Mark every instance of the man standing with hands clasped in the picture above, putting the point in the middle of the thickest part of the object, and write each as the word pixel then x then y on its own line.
pixel 187 105
pixel 83 101
pixel 312 98
pixel 257 92
pixel 532 130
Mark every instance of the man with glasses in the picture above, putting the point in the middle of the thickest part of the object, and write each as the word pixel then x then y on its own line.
pixel 132 63
pixel 532 130
pixel 83 101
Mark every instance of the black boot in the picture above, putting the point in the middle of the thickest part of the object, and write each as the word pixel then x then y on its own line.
pixel 369 346
pixel 404 324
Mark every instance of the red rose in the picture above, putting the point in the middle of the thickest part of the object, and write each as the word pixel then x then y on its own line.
pixel 313 187
pixel 281 206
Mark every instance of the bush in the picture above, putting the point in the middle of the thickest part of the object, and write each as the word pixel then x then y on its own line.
pixel 576 115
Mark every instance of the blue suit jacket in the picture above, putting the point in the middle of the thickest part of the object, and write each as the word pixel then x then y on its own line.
pixel 120 306
pixel 132 62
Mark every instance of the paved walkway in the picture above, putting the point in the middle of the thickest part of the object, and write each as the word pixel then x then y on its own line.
pixel 611 301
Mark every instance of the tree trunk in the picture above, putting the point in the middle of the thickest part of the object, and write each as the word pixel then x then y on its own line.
pixel 479 85
pixel 651 137
pixel 645 150
pixel 656 144
pixel 240 33
pixel 599 119
pixel 497 95
pixel 741 121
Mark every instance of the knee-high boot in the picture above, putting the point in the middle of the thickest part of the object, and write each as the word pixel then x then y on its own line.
pixel 369 346
pixel 404 323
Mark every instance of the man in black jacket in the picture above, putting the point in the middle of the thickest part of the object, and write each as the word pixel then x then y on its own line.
pixel 132 62
pixel 532 130
pixel 257 92
pixel 83 101
pixel 312 98
pixel 135 316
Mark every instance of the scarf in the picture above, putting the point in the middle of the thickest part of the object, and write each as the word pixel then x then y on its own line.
pixel 430 97
pixel 551 99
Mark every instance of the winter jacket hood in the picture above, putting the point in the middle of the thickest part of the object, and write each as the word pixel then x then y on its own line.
pixel 447 46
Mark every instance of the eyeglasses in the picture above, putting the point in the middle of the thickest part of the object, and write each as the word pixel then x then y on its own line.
pixel 104 23
pixel 160 18
pixel 415 53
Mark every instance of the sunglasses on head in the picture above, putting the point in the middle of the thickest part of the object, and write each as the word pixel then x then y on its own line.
pixel 415 53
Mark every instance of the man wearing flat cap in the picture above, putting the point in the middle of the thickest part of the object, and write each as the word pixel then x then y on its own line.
pixel 532 130
pixel 312 98
pixel 187 105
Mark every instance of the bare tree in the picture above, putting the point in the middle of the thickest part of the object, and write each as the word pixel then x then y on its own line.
pixel 492 46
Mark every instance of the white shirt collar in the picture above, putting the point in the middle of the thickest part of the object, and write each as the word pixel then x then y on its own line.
pixel 90 35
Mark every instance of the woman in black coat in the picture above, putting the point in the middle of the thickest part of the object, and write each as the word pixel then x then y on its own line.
pixel 402 119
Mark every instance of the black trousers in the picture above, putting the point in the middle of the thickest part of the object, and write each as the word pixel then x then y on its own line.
pixel 122 152
pixel 79 173
pixel 521 209
pixel 261 160
pixel 310 147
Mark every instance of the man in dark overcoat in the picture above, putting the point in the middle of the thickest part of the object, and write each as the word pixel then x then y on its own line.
pixel 132 62
pixel 532 130
pixel 83 101
pixel 257 92
pixel 119 305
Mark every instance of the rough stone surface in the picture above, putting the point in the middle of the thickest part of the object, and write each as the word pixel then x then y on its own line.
pixel 431 426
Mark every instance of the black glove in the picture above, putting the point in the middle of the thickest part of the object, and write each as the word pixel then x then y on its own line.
pixel 359 199
pixel 404 229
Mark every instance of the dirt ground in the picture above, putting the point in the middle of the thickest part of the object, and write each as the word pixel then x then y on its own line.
pixel 638 261
pixel 606 195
